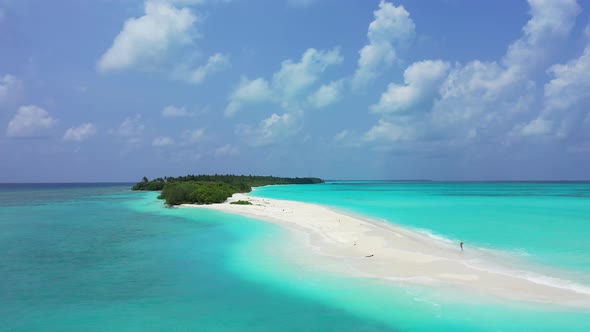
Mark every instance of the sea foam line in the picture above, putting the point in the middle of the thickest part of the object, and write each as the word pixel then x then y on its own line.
pixel 536 278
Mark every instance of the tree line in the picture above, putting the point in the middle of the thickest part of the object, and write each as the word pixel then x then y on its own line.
pixel 209 189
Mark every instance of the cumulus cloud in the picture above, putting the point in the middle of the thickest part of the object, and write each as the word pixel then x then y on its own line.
pixel 387 131
pixel 80 133
pixel 477 100
pixel 130 130
pixel 194 2
pixel 185 2
pixel 195 136
pixel 9 86
pixel 273 129
pixel 172 111
pixel 566 97
pixel 391 28
pixel 294 77
pixel 327 94
pixel 342 135
pixel 30 121
pixel 287 84
pixel 162 141
pixel 570 84
pixel 146 39
pixel 217 62
pixel 227 150
pixel 348 138
pixel 248 91
pixel 422 81
pixel 286 90
pixel 550 23
pixel 538 126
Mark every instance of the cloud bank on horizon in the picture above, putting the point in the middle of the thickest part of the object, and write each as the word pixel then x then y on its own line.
pixel 382 89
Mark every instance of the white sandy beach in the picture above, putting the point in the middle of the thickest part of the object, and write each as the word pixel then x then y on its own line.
pixel 343 243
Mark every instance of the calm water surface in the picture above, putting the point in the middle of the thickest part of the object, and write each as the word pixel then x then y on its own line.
pixel 98 257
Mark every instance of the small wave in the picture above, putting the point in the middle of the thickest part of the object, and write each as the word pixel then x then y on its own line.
pixel 521 252
pixel 424 300
pixel 536 278
pixel 433 236
pixel 557 283
pixel 518 252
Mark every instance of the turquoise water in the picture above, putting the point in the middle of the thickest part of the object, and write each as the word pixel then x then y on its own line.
pixel 103 258
pixel 547 223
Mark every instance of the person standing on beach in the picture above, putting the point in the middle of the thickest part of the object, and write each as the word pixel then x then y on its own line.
pixel 461 245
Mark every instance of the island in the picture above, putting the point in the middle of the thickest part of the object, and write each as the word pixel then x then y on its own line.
pixel 210 189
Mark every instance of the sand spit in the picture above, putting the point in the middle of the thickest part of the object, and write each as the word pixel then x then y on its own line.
pixel 374 249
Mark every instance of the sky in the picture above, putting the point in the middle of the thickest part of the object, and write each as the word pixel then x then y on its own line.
pixel 114 90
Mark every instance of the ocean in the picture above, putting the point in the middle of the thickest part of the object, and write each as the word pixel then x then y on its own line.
pixel 99 257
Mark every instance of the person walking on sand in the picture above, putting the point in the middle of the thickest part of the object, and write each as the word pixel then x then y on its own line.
pixel 461 245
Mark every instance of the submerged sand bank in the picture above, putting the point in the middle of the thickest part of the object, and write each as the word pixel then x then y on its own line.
pixel 373 249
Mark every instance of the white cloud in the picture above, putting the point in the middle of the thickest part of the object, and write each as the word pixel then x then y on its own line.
pixel 567 94
pixel 293 77
pixel 185 2
pixel 172 111
pixel 422 81
pixel 478 100
pixel 131 130
pixel 162 141
pixel 487 95
pixel 550 23
pixel 285 90
pixel 570 83
pixel 193 2
pixel 217 62
pixel 248 91
pixel 391 28
pixel 30 121
pixel 195 136
pixel 327 94
pixel 9 86
pixel 80 133
pixel 227 150
pixel 387 131
pixel 480 93
pixel 538 126
pixel 341 135
pixel 131 126
pixel 287 84
pixel 273 129
pixel 349 138
pixel 150 37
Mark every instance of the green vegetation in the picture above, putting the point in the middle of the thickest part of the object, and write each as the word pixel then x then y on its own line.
pixel 209 189
pixel 241 202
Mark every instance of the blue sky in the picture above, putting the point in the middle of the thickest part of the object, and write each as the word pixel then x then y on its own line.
pixel 112 90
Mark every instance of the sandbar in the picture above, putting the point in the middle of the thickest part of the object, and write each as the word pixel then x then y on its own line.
pixel 363 247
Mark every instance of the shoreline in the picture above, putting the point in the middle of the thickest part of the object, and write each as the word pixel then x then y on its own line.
pixel 362 247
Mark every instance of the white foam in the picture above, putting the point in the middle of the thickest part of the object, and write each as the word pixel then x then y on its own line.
pixel 536 278
pixel 436 237
pixel 557 283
